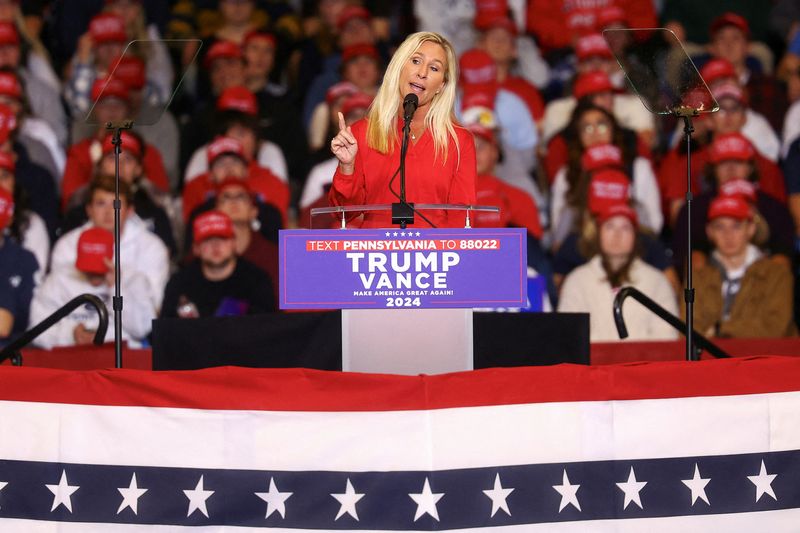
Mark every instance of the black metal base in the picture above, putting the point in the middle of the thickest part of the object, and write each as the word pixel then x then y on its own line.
pixel 402 214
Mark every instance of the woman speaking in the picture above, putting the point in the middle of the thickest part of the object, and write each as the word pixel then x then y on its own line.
pixel 440 160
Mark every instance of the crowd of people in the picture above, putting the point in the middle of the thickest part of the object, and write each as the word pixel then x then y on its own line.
pixel 236 102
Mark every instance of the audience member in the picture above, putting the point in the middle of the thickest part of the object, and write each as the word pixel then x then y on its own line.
pixel 740 291
pixel 92 273
pixel 591 288
pixel 140 251
pixel 111 104
pixel 26 227
pixel 217 283
pixel 732 171
pixel 594 128
pixel 17 269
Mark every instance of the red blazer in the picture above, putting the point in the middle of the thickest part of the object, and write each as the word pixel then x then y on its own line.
pixel 429 179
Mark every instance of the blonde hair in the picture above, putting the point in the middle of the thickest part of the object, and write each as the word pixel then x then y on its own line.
pixel 384 111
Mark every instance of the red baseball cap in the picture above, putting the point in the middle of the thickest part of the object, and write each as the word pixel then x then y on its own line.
pixel 95 247
pixel 224 146
pixel 607 188
pixel 601 156
pixel 356 101
pixel 131 70
pixel 339 90
pixel 479 96
pixel 729 206
pixel 729 90
pixel 130 143
pixel 729 19
pixel 8 34
pixel 717 68
pixel 477 68
pixel 212 224
pixel 487 134
pixel 357 50
pixel 502 21
pixel 698 98
pixel 731 146
pixel 109 88
pixel 108 28
pixel 222 49
pixel 593 45
pixel 590 83
pixel 611 15
pixel 581 22
pixel 739 187
pixel 352 12
pixel 256 35
pixel 8 122
pixel 9 85
pixel 6 208
pixel 238 98
pixel 619 209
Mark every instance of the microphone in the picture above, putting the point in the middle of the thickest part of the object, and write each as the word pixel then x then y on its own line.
pixel 403 212
pixel 410 104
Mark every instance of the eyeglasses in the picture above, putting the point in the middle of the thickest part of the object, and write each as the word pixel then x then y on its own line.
pixel 601 128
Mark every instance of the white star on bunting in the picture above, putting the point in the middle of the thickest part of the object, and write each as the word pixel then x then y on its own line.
pixel 62 493
pixel 569 493
pixel 130 496
pixel 347 501
pixel 697 486
pixel 498 496
pixel 763 483
pixel 426 502
pixel 197 498
pixel 276 500
pixel 631 488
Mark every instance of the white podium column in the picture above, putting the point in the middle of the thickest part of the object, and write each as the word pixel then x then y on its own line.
pixel 406 341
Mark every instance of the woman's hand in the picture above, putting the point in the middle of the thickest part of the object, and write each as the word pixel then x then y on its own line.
pixel 345 147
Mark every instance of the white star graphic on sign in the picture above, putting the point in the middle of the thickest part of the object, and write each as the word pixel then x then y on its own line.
pixel 62 493
pixel 388 234
pixel 698 486
pixel 498 496
pixel 418 234
pixel 395 234
pixel 569 493
pixel 197 498
pixel 3 484
pixel 763 483
pixel 348 501
pixel 426 502
pixel 276 500
pixel 402 233
pixel 130 496
pixel 631 488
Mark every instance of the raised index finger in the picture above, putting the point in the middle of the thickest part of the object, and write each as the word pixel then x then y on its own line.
pixel 342 123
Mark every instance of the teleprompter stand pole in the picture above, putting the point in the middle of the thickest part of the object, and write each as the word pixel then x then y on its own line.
pixel 116 139
pixel 686 113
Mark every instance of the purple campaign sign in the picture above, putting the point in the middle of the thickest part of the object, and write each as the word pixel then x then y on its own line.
pixel 390 268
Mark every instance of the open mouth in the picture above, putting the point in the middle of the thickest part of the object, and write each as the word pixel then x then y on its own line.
pixel 416 87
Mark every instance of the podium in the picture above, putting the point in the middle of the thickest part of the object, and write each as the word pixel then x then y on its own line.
pixel 406 295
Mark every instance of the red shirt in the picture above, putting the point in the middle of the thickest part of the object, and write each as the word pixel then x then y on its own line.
pixel 261 181
pixel 517 208
pixel 549 20
pixel 429 180
pixel 80 168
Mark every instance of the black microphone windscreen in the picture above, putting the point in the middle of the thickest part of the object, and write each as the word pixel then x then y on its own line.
pixel 412 99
